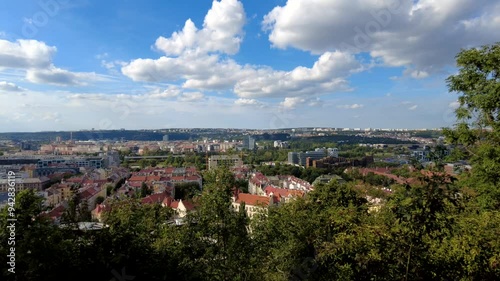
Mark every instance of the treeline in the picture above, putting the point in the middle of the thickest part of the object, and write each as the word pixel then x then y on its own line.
pixel 197 160
pixel 116 135
pixel 350 139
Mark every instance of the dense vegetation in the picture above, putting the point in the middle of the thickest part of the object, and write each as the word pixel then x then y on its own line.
pixel 428 231
pixel 438 228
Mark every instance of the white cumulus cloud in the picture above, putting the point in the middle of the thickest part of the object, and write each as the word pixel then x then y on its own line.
pixel 25 54
pixel 198 59
pixel 222 31
pixel 35 58
pixel 292 102
pixel 10 87
pixel 422 35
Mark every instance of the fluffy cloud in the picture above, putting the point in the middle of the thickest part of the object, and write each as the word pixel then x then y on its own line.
pixel 57 76
pixel 222 32
pixel 25 54
pixel 417 74
pixel 199 71
pixel 10 87
pixel 170 92
pixel 195 58
pixel 35 58
pixel 247 102
pixel 191 97
pixel 291 103
pixel 327 75
pixel 351 106
pixel 192 54
pixel 422 35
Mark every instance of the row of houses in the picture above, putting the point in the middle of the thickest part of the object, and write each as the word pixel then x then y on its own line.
pixel 181 208
pixel 161 179
pixel 258 182
pixel 88 187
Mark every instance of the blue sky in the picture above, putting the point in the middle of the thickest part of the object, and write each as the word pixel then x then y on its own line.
pixel 71 65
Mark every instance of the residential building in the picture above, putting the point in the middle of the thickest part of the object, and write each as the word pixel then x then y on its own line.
pixel 282 195
pixel 291 182
pixel 180 207
pixel 51 195
pixel 257 183
pixel 90 192
pixel 25 183
pixel 254 204
pixel 229 161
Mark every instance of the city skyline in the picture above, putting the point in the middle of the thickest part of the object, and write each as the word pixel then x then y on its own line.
pixel 67 66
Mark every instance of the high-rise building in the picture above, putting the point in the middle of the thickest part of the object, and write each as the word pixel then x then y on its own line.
pixel 293 157
pixel 248 143
pixel 165 138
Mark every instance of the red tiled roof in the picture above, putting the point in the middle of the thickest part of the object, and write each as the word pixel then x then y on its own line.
pixel 89 192
pixel 154 178
pixel 138 178
pixel 189 206
pixel 56 212
pixel 252 200
pixel 174 205
pixel 135 184
pixel 154 198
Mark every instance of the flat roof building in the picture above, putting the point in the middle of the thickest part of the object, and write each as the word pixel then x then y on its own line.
pixel 224 160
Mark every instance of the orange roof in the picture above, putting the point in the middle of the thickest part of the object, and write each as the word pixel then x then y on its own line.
pixel 137 178
pixel 155 198
pixel 153 178
pixel 252 200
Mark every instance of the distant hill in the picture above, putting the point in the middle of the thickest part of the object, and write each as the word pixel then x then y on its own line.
pixel 117 135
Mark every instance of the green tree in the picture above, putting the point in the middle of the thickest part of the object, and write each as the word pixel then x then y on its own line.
pixel 77 210
pixel 40 248
pixel 145 190
pixel 143 163
pixel 477 129
pixel 186 190
pixel 99 200
pixel 222 248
